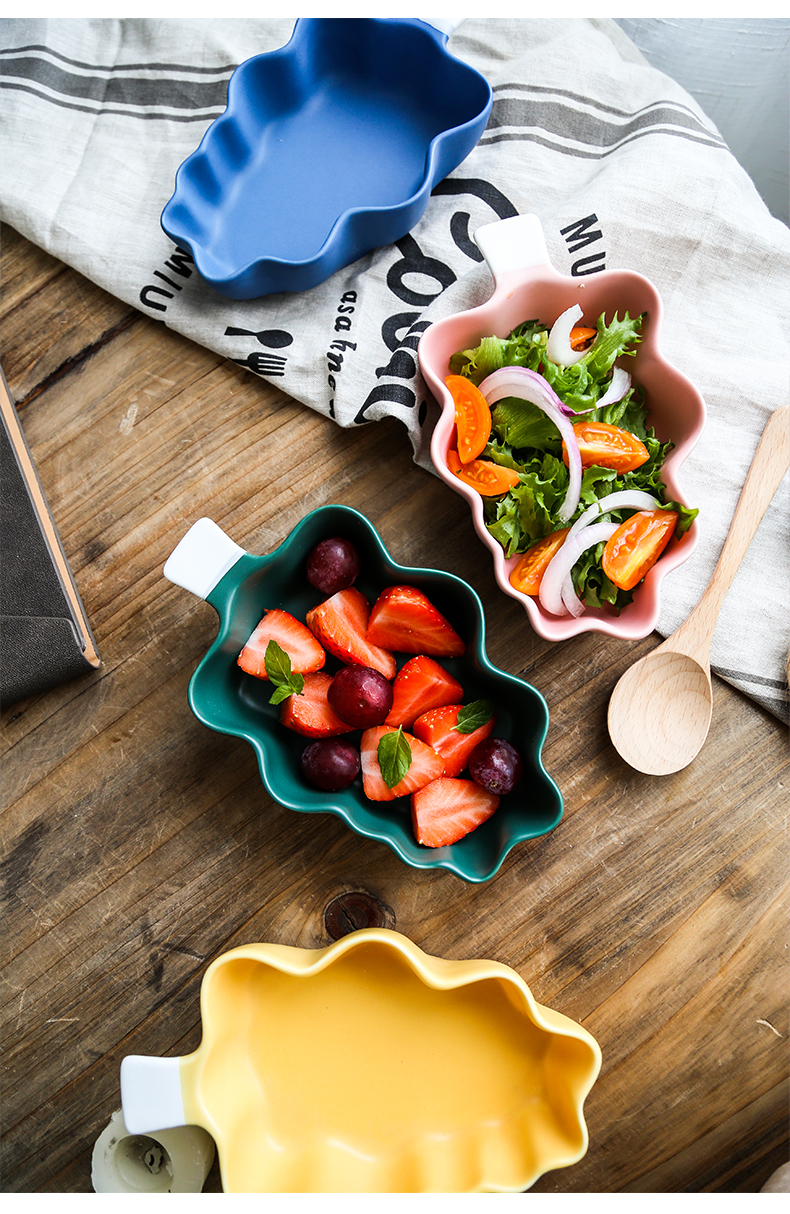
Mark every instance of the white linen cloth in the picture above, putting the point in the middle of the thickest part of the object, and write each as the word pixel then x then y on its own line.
pixel 618 161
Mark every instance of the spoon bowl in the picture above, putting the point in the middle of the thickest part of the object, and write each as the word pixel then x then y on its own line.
pixel 660 709
pixel 667 697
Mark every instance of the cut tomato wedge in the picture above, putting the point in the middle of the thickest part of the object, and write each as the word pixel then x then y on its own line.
pixel 527 574
pixel 453 462
pixel 636 545
pixel 489 479
pixel 472 417
pixel 608 446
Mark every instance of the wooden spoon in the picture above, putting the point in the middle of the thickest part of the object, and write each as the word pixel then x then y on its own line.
pixel 660 710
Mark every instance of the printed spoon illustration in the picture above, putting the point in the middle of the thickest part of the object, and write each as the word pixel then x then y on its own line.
pixel 660 710
pixel 275 339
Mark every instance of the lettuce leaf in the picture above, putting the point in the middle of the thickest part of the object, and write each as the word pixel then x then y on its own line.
pixel 523 438
pixel 522 348
pixel 520 424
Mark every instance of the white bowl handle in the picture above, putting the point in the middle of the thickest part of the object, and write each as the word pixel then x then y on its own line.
pixel 202 558
pixel 151 1093
pixel 512 244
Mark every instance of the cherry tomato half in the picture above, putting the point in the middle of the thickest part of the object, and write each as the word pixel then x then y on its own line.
pixel 581 337
pixel 636 545
pixel 472 417
pixel 608 447
pixel 527 575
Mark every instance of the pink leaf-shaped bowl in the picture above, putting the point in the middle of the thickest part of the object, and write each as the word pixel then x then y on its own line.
pixel 526 286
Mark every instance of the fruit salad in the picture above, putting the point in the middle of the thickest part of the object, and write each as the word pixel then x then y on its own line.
pixel 402 725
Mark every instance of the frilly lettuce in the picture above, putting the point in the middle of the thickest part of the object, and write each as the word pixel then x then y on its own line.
pixel 525 439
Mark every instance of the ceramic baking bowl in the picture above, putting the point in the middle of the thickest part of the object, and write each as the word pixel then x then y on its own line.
pixel 526 287
pixel 329 147
pixel 369 1066
pixel 241 586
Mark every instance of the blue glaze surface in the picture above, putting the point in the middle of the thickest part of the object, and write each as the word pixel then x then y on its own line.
pixel 329 147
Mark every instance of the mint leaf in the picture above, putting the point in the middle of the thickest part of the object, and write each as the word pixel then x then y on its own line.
pixel 394 756
pixel 282 678
pixel 473 715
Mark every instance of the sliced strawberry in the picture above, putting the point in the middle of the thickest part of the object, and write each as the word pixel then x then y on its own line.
pixel 437 729
pixel 303 649
pixel 310 713
pixel 426 766
pixel 447 809
pixel 421 684
pixel 340 624
pixel 405 620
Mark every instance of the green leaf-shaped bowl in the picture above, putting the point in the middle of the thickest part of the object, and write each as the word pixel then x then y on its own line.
pixel 240 587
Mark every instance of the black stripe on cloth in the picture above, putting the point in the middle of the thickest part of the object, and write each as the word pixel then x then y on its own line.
pixel 600 154
pixel 197 116
pixel 115 90
pixel 554 118
pixel 121 67
pixel 545 90
pixel 743 677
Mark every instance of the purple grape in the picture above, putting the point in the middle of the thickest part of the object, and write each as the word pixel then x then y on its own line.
pixel 360 696
pixel 333 565
pixel 495 765
pixel 330 764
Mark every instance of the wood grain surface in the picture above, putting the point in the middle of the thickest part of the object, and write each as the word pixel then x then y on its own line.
pixel 137 845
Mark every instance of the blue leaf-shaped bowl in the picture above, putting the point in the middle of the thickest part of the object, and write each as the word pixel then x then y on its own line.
pixel 329 147
pixel 240 587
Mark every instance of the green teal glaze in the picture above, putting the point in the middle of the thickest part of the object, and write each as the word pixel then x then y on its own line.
pixel 226 699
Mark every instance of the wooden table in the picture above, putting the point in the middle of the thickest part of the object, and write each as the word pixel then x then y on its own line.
pixel 138 845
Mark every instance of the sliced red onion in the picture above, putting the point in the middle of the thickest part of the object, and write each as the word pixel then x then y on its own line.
pixel 624 499
pixel 619 385
pixel 554 595
pixel 558 346
pixel 529 385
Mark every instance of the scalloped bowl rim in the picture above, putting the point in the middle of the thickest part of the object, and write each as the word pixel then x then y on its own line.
pixel 232 275
pixel 424 858
pixel 640 617
pixel 440 974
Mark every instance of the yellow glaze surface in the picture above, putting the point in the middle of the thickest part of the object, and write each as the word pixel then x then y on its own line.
pixel 369 1066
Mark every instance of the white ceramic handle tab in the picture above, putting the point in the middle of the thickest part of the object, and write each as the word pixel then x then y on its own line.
pixel 512 244
pixel 202 558
pixel 151 1093
pixel 445 25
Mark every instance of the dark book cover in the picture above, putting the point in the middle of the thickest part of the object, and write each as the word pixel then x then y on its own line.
pixel 45 638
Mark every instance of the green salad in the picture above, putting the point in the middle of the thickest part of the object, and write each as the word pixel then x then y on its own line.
pixel 528 437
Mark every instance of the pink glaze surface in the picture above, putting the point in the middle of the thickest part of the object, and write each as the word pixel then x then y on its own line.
pixel 676 410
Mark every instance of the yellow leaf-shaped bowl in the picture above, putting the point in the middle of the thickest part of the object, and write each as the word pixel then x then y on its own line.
pixel 369 1066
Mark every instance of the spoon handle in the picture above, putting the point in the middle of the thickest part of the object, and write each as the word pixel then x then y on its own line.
pixel 771 461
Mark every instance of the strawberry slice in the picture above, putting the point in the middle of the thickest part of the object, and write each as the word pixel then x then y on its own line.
pixel 303 649
pixel 447 809
pixel 310 712
pixel 340 624
pixel 421 684
pixel 437 729
pixel 405 620
pixel 426 766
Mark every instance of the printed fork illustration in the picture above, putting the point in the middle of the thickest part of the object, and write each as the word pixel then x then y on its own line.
pixel 263 364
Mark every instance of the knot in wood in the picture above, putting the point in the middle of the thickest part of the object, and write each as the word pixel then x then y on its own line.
pixel 353 910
